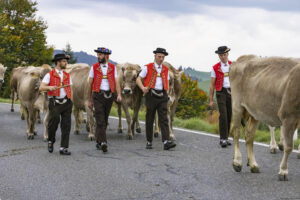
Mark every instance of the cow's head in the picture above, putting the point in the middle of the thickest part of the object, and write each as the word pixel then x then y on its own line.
pixel 2 72
pixel 44 70
pixel 130 73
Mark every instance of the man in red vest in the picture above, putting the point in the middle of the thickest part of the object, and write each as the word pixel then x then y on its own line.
pixel 155 88
pixel 103 83
pixel 58 85
pixel 220 82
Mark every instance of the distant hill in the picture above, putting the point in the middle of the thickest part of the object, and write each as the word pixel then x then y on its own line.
pixel 83 57
pixel 194 74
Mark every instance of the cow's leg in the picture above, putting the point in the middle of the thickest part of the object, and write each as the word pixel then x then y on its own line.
pixel 128 119
pixel 170 120
pixel 12 94
pixel 281 142
pixel 273 145
pixel 31 121
pixel 76 113
pixel 22 112
pixel 289 128
pixel 136 118
pixel 249 135
pixel 91 122
pixel 236 124
pixel 26 115
pixel 120 128
pixel 46 120
pixel 156 127
pixel 38 116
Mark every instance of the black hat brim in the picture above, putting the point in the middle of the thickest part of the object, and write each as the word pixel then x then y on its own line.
pixel 165 53
pixel 97 51
pixel 222 52
pixel 57 59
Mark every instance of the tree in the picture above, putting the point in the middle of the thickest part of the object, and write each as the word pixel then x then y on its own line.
pixel 22 36
pixel 193 101
pixel 68 51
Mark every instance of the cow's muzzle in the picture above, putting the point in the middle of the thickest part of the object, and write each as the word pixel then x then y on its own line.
pixel 1 80
pixel 127 91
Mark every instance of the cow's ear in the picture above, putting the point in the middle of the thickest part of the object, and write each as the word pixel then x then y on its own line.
pixel 33 75
pixel 123 69
pixel 138 72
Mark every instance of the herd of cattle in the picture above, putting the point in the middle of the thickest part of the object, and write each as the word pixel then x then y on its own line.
pixel 263 89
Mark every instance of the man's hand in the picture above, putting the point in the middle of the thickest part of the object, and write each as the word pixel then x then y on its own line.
pixel 90 104
pixel 211 104
pixel 52 88
pixel 119 98
pixel 145 90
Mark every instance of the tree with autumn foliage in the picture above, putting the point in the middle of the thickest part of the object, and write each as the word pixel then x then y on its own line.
pixel 193 101
pixel 22 36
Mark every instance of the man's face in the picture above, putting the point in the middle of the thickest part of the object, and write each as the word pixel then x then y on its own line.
pixel 223 57
pixel 63 63
pixel 159 58
pixel 101 58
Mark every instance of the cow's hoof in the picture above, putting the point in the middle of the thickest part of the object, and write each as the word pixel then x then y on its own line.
pixel 92 137
pixel 237 168
pixel 129 137
pixel 172 138
pixel 30 137
pixel 34 133
pixel 138 130
pixel 45 139
pixel 298 155
pixel 156 135
pixel 280 146
pixel 87 127
pixel 273 151
pixel 282 177
pixel 22 117
pixel 120 131
pixel 12 110
pixel 254 169
pixel 39 121
pixel 84 121
pixel 76 132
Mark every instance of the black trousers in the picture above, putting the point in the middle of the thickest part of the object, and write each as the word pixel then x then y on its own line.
pixel 224 104
pixel 158 104
pixel 60 113
pixel 102 107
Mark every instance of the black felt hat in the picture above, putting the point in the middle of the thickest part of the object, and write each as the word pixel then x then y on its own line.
pixel 161 50
pixel 60 56
pixel 222 49
pixel 103 50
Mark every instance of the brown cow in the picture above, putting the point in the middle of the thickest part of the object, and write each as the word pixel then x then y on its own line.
pixel 80 77
pixel 174 93
pixel 266 90
pixel 131 96
pixel 2 72
pixel 28 93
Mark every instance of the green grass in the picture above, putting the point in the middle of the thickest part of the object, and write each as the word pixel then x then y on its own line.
pixel 2 100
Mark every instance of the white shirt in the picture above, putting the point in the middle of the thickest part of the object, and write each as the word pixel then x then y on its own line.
pixel 225 70
pixel 158 83
pixel 104 82
pixel 46 80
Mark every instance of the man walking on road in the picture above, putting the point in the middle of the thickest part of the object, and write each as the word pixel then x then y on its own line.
pixel 58 85
pixel 155 87
pixel 103 83
pixel 220 82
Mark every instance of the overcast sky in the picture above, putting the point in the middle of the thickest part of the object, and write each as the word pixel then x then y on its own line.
pixel 190 30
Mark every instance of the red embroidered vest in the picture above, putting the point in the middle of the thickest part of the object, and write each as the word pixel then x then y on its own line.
pixel 164 75
pixel 55 81
pixel 98 75
pixel 219 75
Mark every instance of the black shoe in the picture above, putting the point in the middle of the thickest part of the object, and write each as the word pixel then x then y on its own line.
pixel 223 143
pixel 65 152
pixel 228 143
pixel 50 147
pixel 169 145
pixel 104 147
pixel 98 146
pixel 149 145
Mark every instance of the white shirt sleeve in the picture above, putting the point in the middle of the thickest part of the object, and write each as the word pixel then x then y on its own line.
pixel 144 72
pixel 213 74
pixel 91 72
pixel 71 83
pixel 46 79
pixel 168 75
pixel 116 75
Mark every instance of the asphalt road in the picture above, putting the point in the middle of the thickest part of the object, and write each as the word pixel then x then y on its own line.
pixel 197 169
